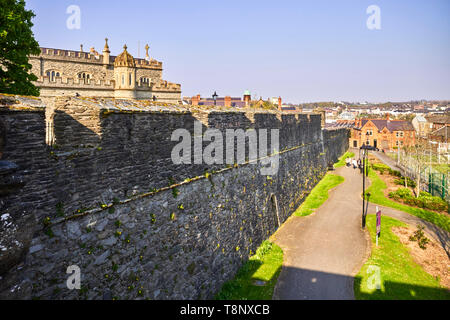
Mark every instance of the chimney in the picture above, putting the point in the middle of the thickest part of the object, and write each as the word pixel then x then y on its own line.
pixel 195 100
pixel 279 103
pixel 227 102
pixel 81 47
pixel 247 98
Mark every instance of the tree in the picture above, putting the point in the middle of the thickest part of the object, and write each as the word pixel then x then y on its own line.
pixel 415 159
pixel 16 44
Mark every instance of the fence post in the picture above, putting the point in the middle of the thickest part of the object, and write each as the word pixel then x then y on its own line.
pixel 430 181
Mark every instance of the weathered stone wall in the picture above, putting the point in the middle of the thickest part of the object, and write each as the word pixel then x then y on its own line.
pixel 336 143
pixel 104 187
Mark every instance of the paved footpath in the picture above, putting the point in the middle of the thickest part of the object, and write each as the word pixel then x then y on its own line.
pixel 324 251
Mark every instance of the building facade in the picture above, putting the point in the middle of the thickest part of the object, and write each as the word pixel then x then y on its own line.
pixel 383 134
pixel 66 72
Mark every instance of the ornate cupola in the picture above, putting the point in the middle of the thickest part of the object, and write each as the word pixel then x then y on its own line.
pixel 125 75
pixel 124 59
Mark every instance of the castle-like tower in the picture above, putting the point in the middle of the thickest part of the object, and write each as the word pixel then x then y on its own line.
pixel 125 75
pixel 90 74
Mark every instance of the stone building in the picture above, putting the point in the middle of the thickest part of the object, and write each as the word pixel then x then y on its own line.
pixel 67 72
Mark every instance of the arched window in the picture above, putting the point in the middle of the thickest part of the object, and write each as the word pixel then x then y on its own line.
pixel 84 75
pixel 123 79
pixel 130 78
pixel 52 75
pixel 145 80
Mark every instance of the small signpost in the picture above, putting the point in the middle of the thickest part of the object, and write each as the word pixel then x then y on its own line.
pixel 378 224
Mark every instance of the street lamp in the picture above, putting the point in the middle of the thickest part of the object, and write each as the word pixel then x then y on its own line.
pixel 215 97
pixel 365 171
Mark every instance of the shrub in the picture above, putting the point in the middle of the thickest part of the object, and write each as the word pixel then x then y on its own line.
pixel 425 200
pixel 381 168
pixel 432 202
pixel 420 237
pixel 395 173
pixel 403 193
pixel 401 182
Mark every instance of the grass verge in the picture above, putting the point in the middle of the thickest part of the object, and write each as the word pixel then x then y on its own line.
pixel 256 279
pixel 318 195
pixel 377 196
pixel 401 277
pixel 341 161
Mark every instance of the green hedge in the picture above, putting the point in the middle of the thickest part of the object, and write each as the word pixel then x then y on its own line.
pixel 425 200
pixel 382 168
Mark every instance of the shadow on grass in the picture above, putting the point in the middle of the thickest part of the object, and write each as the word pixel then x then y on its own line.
pixel 256 279
pixel 303 284
pixel 245 287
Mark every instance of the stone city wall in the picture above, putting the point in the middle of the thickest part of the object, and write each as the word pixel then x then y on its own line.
pixel 107 197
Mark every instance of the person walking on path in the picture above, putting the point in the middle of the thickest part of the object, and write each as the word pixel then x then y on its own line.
pixel 355 164
pixel 347 162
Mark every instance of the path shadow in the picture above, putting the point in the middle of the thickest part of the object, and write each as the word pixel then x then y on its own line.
pixel 304 284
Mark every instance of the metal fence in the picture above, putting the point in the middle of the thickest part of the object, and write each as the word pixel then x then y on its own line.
pixel 431 180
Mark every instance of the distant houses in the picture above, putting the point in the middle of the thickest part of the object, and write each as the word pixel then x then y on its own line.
pixel 384 134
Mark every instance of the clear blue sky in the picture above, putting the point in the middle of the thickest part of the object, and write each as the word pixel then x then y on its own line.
pixel 300 50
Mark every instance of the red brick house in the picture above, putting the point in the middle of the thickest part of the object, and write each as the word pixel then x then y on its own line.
pixel 383 134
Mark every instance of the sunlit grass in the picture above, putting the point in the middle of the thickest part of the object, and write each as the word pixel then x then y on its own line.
pixel 377 196
pixel 341 161
pixel 318 195
pixel 264 266
pixel 401 277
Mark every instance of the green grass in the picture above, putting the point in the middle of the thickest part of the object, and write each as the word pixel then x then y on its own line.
pixel 442 168
pixel 318 195
pixel 341 161
pixel 265 266
pixel 401 277
pixel 377 196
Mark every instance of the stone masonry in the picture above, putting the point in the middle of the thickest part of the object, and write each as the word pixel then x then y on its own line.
pixel 99 190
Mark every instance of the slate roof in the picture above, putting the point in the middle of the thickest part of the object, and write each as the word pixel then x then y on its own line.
pixel 391 125
pixel 438 118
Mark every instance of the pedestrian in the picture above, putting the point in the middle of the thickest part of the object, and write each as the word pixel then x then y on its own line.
pixel 355 164
pixel 347 162
pixel 359 164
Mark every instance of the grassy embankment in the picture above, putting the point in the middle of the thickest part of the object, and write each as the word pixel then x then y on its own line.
pixel 264 267
pixel 377 196
pixel 401 278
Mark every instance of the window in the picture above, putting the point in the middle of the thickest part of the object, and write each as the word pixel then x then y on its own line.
pixel 123 79
pixel 145 80
pixel 399 134
pixel 52 75
pixel 130 78
pixel 369 132
pixel 355 144
pixel 84 75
